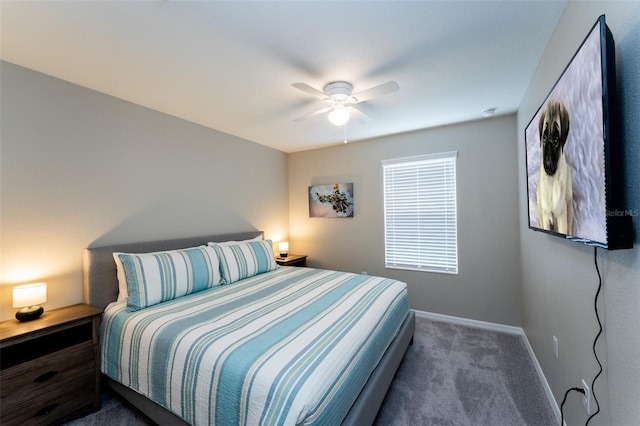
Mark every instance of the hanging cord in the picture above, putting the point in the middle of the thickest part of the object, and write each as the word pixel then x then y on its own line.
pixel 565 400
pixel 593 383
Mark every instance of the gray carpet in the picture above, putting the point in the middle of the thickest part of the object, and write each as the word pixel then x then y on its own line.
pixel 452 375
pixel 457 375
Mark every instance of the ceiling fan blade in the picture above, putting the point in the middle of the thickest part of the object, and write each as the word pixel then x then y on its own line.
pixel 311 114
pixel 310 90
pixel 360 113
pixel 382 89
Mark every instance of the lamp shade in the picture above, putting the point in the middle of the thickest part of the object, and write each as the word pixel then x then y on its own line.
pixel 29 295
pixel 339 115
pixel 283 247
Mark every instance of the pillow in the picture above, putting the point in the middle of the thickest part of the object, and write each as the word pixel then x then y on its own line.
pixel 122 281
pixel 226 243
pixel 151 278
pixel 245 259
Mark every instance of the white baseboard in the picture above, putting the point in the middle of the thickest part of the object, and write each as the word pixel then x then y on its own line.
pixel 492 326
pixel 504 329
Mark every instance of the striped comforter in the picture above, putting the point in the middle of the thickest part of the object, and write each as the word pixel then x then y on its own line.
pixel 290 346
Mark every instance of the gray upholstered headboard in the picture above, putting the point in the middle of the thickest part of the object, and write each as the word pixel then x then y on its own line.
pixel 99 268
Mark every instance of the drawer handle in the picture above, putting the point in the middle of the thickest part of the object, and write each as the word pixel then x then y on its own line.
pixel 46 410
pixel 44 377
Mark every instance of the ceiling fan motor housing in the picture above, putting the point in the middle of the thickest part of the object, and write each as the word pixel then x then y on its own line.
pixel 338 90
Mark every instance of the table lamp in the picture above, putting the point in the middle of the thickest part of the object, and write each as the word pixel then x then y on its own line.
pixel 28 297
pixel 284 249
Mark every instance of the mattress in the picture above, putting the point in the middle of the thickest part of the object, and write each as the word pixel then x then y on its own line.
pixel 290 346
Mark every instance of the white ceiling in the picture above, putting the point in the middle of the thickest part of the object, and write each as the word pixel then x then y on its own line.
pixel 229 65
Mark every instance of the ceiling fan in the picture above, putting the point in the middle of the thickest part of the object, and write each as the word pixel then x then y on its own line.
pixel 340 101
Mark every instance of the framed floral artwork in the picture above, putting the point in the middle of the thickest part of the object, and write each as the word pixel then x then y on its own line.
pixel 333 200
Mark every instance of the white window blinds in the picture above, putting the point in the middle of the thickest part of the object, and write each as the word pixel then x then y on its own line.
pixel 420 213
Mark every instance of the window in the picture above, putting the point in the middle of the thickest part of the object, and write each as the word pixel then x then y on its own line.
pixel 420 229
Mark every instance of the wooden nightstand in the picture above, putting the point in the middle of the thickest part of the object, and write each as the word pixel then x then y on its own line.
pixel 292 260
pixel 49 367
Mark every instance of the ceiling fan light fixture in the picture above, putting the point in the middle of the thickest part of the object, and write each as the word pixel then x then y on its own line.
pixel 339 115
pixel 339 99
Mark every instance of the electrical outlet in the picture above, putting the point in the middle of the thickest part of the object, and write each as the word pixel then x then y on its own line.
pixel 586 399
pixel 555 346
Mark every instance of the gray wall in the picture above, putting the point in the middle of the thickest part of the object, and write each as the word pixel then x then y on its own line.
pixel 80 168
pixel 487 286
pixel 558 277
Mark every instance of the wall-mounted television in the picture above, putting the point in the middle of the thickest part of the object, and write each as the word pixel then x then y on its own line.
pixel 575 185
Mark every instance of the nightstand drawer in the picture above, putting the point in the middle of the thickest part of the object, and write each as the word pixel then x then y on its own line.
pixel 53 406
pixel 31 379
pixel 39 345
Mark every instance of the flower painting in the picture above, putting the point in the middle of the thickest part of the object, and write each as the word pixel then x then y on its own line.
pixel 334 200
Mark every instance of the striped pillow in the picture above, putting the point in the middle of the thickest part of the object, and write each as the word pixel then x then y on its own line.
pixel 156 277
pixel 245 259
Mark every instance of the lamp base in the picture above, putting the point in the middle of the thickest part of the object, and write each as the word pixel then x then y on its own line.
pixel 284 255
pixel 29 314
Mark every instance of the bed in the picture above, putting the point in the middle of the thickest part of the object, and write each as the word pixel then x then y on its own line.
pixel 328 383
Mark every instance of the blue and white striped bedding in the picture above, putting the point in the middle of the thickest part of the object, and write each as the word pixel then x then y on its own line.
pixel 290 346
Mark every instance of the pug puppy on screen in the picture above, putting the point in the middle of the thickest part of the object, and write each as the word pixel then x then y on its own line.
pixel 555 191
